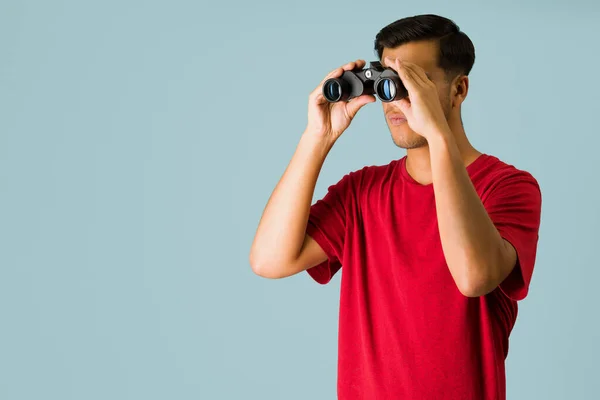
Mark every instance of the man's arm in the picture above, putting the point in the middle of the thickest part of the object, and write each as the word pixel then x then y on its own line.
pixel 479 259
pixel 281 247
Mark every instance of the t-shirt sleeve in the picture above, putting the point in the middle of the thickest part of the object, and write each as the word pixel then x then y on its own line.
pixel 327 226
pixel 514 206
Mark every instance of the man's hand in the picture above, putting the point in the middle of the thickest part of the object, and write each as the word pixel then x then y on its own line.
pixel 422 108
pixel 330 120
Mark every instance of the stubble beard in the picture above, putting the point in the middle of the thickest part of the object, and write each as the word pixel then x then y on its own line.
pixel 413 140
pixel 413 143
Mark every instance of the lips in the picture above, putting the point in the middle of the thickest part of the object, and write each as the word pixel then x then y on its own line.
pixel 396 116
pixel 396 119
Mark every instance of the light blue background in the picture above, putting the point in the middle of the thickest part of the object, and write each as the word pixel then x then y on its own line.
pixel 140 141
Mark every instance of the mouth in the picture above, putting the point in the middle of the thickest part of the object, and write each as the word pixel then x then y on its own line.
pixel 396 119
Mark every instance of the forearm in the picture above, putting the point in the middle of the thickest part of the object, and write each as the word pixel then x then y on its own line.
pixel 282 227
pixel 472 245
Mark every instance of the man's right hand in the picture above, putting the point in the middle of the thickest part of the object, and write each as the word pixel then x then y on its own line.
pixel 281 245
pixel 329 120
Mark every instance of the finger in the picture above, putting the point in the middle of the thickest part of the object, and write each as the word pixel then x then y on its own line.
pixel 405 75
pixel 336 73
pixel 357 103
pixel 360 63
pixel 417 72
pixel 320 99
pixel 316 94
pixel 354 64
pixel 411 73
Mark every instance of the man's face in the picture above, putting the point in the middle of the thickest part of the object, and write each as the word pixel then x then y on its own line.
pixel 423 54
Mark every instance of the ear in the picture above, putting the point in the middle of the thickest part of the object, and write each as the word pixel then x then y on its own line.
pixel 460 89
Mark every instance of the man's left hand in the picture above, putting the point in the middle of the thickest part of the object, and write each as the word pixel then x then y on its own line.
pixel 422 107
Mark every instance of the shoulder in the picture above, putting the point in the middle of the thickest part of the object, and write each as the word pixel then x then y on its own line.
pixel 496 175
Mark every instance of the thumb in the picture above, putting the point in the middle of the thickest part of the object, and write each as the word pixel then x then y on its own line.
pixel 357 103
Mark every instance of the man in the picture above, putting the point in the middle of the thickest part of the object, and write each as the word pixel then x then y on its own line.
pixel 437 247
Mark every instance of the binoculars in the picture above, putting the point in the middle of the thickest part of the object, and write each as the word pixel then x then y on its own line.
pixel 384 82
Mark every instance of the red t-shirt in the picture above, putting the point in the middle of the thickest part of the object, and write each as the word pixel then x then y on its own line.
pixel 405 330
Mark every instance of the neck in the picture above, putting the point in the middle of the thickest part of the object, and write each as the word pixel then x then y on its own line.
pixel 418 161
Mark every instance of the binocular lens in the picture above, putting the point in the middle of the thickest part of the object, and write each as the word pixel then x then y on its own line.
pixel 332 90
pixel 386 90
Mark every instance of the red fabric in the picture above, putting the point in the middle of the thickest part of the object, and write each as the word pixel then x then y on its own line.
pixel 405 330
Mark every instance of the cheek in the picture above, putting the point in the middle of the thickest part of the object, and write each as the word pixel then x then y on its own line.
pixel 444 95
pixel 449 98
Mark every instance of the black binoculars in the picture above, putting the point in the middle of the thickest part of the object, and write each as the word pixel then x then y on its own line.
pixel 384 82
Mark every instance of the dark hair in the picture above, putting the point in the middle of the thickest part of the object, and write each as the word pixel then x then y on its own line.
pixel 456 51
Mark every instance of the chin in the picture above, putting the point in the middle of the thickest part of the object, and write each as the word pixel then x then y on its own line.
pixel 406 138
pixel 410 145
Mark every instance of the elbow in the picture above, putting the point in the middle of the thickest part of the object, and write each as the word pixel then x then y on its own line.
pixel 476 274
pixel 257 265
pixel 475 284
pixel 263 268
pixel 473 289
pixel 256 262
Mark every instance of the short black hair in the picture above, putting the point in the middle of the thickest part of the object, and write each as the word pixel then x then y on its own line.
pixel 456 51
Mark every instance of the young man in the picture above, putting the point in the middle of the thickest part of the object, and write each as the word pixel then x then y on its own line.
pixel 437 247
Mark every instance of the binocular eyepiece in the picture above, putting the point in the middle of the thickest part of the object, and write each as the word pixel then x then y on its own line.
pixel 384 82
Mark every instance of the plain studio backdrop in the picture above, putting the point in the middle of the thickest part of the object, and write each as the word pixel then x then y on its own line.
pixel 140 141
